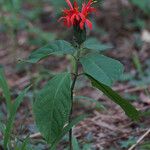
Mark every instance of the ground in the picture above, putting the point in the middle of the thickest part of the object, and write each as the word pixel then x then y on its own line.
pixel 106 128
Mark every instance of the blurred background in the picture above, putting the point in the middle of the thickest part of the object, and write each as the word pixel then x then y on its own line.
pixel 121 25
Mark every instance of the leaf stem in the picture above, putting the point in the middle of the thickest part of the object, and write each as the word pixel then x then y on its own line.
pixel 76 73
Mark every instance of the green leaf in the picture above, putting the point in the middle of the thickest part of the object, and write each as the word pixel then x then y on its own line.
pixel 5 88
pixel 52 106
pixel 145 113
pixel 44 36
pixel 12 115
pixel 98 104
pixel 24 144
pixel 94 44
pixel 115 97
pixel 87 147
pixel 55 47
pixel 102 68
pixel 66 130
pixel 127 143
pixel 145 145
pixel 75 143
pixel 19 100
pixel 2 127
pixel 137 63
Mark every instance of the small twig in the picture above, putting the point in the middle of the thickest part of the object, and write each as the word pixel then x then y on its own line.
pixel 129 89
pixel 140 139
pixel 136 89
pixel 36 135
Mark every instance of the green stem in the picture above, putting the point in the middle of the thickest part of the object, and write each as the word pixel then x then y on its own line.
pixel 76 70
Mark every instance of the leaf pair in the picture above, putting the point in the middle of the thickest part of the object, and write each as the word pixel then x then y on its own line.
pixel 53 103
pixel 64 47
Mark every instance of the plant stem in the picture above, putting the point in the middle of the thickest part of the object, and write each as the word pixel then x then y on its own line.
pixel 72 92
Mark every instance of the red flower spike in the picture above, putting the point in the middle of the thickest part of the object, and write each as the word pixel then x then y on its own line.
pixel 73 17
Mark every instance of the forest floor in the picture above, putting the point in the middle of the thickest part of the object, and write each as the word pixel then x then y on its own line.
pixel 107 128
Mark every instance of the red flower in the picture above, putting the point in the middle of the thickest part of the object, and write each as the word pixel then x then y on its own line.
pixel 73 17
pixel 86 10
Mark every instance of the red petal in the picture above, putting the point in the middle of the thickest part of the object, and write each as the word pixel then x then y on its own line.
pixel 89 24
pixel 60 19
pixel 77 17
pixel 73 18
pixel 92 9
pixel 82 16
pixel 89 3
pixel 83 7
pixel 82 25
pixel 75 4
pixel 69 4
